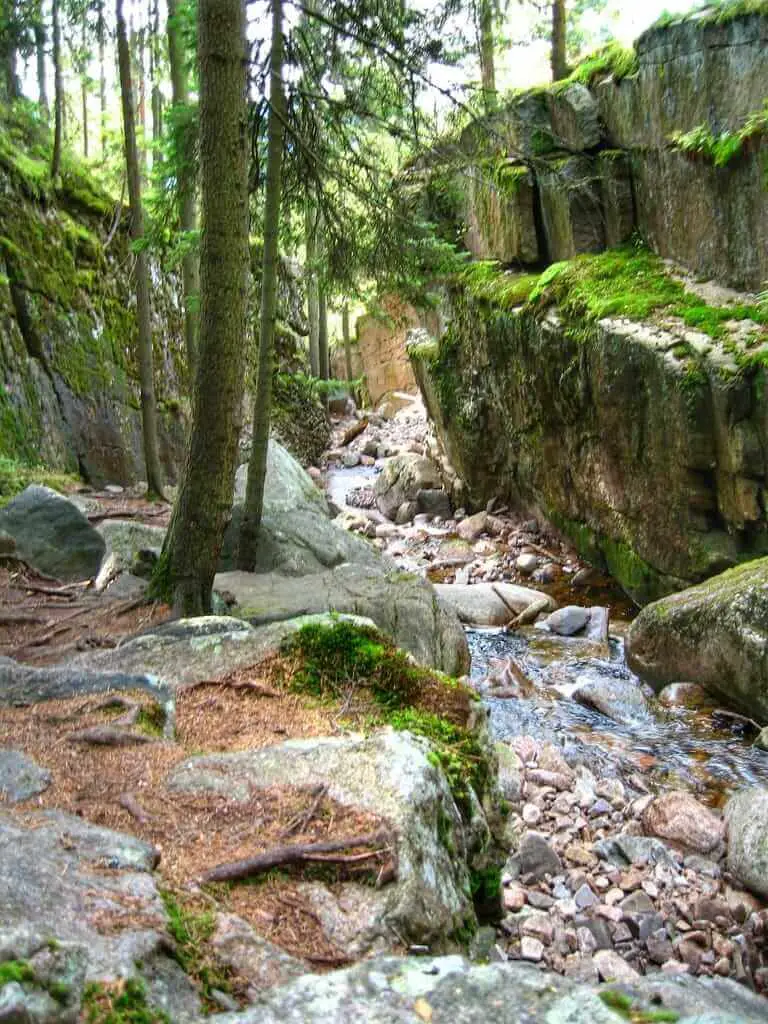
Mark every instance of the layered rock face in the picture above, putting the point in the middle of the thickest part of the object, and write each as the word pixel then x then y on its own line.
pixel 613 395
pixel 578 166
pixel 381 348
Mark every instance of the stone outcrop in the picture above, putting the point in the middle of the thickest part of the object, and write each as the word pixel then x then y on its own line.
pixel 746 816
pixel 713 634
pixel 381 348
pixel 575 168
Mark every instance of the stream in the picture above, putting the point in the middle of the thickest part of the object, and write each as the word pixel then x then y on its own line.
pixel 636 737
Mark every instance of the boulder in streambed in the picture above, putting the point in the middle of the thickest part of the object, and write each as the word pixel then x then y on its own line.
pixel 52 534
pixel 401 480
pixel 491 604
pixel 714 634
pixel 746 817
pixel 680 818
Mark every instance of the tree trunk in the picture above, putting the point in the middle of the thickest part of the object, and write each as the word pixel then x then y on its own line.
pixel 154 73
pixel 143 312
pixel 190 267
pixel 313 291
pixel 347 340
pixel 257 466
pixel 325 367
pixel 558 60
pixel 203 509
pixel 42 88
pixel 102 31
pixel 12 87
pixel 58 94
pixel 84 92
pixel 486 47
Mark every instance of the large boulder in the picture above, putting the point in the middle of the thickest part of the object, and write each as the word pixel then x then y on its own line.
pixel 391 775
pixel 392 990
pixel 401 480
pixel 52 534
pixel 746 817
pixel 491 604
pixel 714 634
pixel 79 904
pixel 402 605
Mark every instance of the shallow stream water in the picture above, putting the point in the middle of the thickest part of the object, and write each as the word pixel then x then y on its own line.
pixel 679 747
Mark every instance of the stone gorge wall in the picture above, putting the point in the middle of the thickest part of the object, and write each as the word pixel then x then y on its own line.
pixel 381 348
pixel 575 168
pixel 643 437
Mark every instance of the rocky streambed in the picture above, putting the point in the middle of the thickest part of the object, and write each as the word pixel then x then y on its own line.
pixel 621 863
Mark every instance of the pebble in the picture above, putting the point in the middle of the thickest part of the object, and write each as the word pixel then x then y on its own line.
pixel 531 949
pixel 531 814
pixel 584 897
pixel 513 897
pixel 613 967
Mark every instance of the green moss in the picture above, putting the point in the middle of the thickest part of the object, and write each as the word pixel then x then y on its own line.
pixel 123 1002
pixel 487 281
pixel 191 930
pixel 15 476
pixel 611 59
pixel 624 1005
pixel 634 574
pixel 19 971
pixel 151 720
pixel 485 884
pixel 714 12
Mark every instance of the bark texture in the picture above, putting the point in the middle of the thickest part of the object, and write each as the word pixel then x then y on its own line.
pixel 204 505
pixel 58 93
pixel 558 59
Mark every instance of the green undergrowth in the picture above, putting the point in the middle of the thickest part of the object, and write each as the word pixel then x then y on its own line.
pixel 191 930
pixel 120 1002
pixel 485 279
pixel 342 662
pixel 714 12
pixel 21 972
pixel 15 476
pixel 722 148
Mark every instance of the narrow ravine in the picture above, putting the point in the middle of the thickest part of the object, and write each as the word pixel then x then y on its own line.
pixel 590 889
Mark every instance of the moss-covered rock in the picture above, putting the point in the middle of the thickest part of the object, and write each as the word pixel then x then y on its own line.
pixel 714 634
pixel 615 402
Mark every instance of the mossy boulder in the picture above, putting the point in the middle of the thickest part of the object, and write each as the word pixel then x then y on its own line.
pixel 714 634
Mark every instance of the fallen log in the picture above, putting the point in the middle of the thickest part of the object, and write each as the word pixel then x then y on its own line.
pixel 283 856
pixel 354 431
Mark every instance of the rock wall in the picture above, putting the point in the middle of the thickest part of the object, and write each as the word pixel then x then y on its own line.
pixel 69 391
pixel 381 344
pixel 579 166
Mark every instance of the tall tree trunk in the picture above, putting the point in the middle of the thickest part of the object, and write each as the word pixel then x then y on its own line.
pixel 204 506
pixel 557 59
pixel 347 340
pixel 42 87
pixel 257 466
pixel 84 92
pixel 486 47
pixel 313 290
pixel 190 267
pixel 143 311
pixel 58 94
pixel 12 87
pixel 102 32
pixel 154 73
pixel 325 366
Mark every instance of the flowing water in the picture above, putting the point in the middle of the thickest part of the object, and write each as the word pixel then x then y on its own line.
pixel 685 747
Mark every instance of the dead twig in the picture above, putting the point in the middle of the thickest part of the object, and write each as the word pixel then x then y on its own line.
pixel 300 822
pixel 282 856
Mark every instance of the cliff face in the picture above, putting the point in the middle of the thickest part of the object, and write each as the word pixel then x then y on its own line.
pixel 611 394
pixel 69 393
pixel 669 139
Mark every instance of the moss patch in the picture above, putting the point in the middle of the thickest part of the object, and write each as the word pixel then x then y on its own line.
pixel 18 971
pixel 612 59
pixel 120 1002
pixel 16 476
pixel 191 929
pixel 723 147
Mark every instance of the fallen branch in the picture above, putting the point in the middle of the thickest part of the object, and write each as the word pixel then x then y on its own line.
pixel 109 736
pixel 68 592
pixel 529 614
pixel 282 856
pixel 354 431
pixel 129 802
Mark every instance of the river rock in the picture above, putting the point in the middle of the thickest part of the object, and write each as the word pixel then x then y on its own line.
pixel 21 777
pixel 714 634
pixel 52 534
pixel 490 604
pixel 526 564
pixel 613 967
pixel 624 850
pixel 469 529
pixel 567 621
pixel 679 817
pixel 80 903
pixel 535 858
pixel 434 502
pixel 746 816
pixel 390 774
pixel 619 699
pixel 687 695
pixel 401 480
